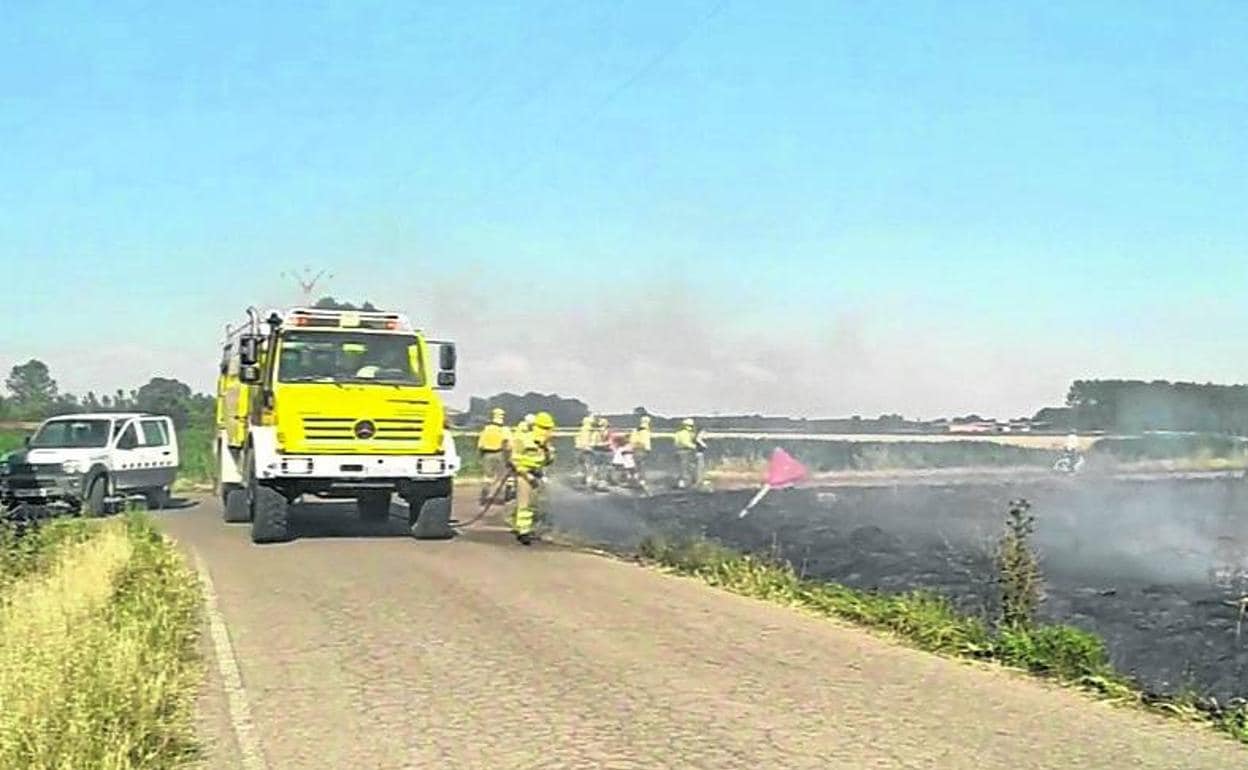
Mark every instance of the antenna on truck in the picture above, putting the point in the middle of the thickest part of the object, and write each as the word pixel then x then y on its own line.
pixel 307 281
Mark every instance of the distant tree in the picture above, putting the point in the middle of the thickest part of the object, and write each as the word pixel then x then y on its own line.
pixel 329 303
pixel 34 391
pixel 640 411
pixel 170 397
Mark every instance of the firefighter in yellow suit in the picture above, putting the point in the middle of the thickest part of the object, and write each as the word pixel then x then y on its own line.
pixel 640 441
pixel 490 449
pixel 531 454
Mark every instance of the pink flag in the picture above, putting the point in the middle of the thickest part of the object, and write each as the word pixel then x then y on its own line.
pixel 783 470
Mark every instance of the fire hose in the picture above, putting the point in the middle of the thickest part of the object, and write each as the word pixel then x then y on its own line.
pixel 490 501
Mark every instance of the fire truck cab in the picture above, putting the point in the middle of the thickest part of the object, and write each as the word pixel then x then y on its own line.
pixel 333 404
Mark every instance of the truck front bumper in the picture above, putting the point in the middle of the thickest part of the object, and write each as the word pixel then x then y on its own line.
pixel 41 489
pixel 359 467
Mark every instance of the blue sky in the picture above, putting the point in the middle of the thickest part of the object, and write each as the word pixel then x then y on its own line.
pixel 983 200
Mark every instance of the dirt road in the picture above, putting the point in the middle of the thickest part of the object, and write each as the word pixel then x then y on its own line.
pixel 357 647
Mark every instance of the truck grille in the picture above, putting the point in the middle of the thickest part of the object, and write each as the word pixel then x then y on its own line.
pixel 35 469
pixel 362 429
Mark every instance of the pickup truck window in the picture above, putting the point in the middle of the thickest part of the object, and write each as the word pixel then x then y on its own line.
pixel 154 432
pixel 350 357
pixel 129 438
pixel 71 434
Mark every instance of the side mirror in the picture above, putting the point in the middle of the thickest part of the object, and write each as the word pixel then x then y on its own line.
pixel 249 351
pixel 446 379
pixel 446 358
pixel 249 374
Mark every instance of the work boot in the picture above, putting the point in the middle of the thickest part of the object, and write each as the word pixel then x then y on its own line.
pixel 525 539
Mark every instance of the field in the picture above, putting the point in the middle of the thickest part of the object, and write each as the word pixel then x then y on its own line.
pixel 1155 569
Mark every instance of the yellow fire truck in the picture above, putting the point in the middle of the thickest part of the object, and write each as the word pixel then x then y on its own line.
pixel 333 404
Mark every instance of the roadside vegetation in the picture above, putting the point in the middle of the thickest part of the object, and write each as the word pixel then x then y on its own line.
pixel 98 666
pixel 928 621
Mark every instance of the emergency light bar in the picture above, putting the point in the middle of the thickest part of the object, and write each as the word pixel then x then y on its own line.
pixel 347 319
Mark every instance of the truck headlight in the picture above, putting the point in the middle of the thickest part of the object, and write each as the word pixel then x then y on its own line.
pixel 72 466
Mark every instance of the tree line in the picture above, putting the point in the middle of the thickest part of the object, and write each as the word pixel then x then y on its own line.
pixel 33 394
pixel 1134 406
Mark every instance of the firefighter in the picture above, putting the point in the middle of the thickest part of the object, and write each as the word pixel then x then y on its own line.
pixel 601 448
pixel 532 453
pixel 686 441
pixel 585 450
pixel 640 441
pixel 491 445
pixel 699 466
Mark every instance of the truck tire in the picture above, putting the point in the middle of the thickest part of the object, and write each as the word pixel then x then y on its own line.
pixel 235 509
pixel 270 520
pixel 93 501
pixel 433 522
pixel 373 506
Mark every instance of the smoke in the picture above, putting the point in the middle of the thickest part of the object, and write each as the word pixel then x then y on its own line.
pixel 664 348
pixel 641 343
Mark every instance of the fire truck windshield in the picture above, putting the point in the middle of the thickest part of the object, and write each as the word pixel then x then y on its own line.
pixel 350 357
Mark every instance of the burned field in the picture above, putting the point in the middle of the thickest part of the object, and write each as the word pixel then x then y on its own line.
pixel 1157 568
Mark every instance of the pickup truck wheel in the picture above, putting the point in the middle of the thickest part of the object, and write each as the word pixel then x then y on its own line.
pixel 93 503
pixel 433 522
pixel 157 498
pixel 270 520
pixel 373 506
pixel 235 509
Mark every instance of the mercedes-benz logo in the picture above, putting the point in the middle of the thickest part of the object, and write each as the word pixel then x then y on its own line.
pixel 365 429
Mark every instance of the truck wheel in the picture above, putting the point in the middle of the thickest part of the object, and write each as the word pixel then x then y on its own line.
pixel 97 489
pixel 373 506
pixel 235 508
pixel 270 515
pixel 433 522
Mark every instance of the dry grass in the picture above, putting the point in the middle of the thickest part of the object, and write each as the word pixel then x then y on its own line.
pixel 97 667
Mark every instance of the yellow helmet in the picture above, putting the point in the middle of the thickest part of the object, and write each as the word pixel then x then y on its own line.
pixel 602 422
pixel 497 415
pixel 645 421
pixel 587 422
pixel 544 420
pixel 529 418
pixel 687 422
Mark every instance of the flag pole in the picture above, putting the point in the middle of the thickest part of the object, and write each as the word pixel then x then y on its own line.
pixel 755 500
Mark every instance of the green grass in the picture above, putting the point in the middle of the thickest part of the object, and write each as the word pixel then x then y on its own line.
pixel 98 666
pixel 198 465
pixel 1173 446
pixel 929 622
pixel 10 439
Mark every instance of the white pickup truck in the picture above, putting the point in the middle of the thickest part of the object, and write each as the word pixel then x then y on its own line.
pixel 90 462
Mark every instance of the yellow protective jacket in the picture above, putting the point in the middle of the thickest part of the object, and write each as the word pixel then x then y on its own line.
pixel 640 439
pixel 492 439
pixel 684 439
pixel 529 453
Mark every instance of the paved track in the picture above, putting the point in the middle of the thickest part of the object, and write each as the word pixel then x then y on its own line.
pixel 357 647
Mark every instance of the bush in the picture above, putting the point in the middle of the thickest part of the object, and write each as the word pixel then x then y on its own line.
pixel 1018 568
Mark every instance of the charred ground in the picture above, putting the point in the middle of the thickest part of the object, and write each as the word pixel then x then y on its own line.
pixel 1154 568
